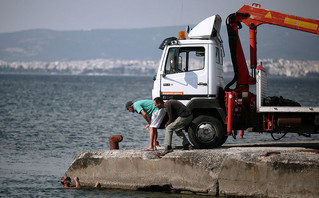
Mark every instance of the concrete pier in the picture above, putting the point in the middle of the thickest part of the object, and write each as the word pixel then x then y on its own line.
pixel 262 170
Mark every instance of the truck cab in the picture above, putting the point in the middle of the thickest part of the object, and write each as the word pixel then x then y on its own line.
pixel 191 68
pixel 191 71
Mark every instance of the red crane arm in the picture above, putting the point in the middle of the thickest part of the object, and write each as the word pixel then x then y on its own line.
pixel 258 16
pixel 254 16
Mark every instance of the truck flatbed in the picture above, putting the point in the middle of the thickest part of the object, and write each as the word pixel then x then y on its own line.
pixel 261 91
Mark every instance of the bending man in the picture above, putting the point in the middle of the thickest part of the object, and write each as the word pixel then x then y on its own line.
pixel 151 114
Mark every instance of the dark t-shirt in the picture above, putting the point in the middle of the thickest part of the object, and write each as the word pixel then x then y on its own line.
pixel 176 109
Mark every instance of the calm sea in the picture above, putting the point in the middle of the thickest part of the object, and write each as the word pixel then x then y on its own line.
pixel 46 120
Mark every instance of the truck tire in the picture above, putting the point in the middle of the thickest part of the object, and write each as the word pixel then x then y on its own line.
pixel 206 132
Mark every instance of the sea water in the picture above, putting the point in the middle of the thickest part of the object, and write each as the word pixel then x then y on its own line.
pixel 46 120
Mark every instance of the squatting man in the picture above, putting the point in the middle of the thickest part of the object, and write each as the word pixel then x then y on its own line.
pixel 179 117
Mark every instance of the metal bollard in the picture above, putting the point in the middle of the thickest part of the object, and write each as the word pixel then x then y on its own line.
pixel 114 141
pixel 241 133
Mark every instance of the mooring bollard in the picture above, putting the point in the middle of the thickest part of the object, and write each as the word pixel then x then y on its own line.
pixel 114 141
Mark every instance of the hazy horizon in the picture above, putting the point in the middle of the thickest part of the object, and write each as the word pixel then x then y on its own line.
pixel 71 15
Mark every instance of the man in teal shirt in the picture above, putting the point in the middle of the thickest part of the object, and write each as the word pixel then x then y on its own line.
pixel 151 114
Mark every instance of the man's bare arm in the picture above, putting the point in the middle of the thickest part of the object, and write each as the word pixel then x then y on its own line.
pixel 145 116
pixel 77 182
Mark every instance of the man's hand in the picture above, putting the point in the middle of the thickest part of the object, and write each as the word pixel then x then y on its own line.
pixel 148 119
pixel 148 125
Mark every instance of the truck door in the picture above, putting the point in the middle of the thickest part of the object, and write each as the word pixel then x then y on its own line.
pixel 185 73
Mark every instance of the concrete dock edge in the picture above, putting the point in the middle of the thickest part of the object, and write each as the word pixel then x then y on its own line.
pixel 233 170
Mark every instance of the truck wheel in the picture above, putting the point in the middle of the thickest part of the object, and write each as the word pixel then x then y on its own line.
pixel 206 132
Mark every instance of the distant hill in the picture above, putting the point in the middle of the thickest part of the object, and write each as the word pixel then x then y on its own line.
pixel 142 44
pixel 48 45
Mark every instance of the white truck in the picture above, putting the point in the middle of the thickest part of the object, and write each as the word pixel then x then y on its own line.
pixel 191 71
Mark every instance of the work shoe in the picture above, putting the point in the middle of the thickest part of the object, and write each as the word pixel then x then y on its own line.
pixel 187 147
pixel 168 149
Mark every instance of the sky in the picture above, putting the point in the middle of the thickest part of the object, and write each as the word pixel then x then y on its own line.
pixel 18 15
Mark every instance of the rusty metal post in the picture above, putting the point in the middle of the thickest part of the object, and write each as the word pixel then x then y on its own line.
pixel 241 134
pixel 114 141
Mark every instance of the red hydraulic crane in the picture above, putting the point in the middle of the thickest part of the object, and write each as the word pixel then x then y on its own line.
pixel 253 16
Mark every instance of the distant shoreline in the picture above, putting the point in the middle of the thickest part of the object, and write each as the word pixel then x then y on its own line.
pixel 106 67
pixel 227 76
